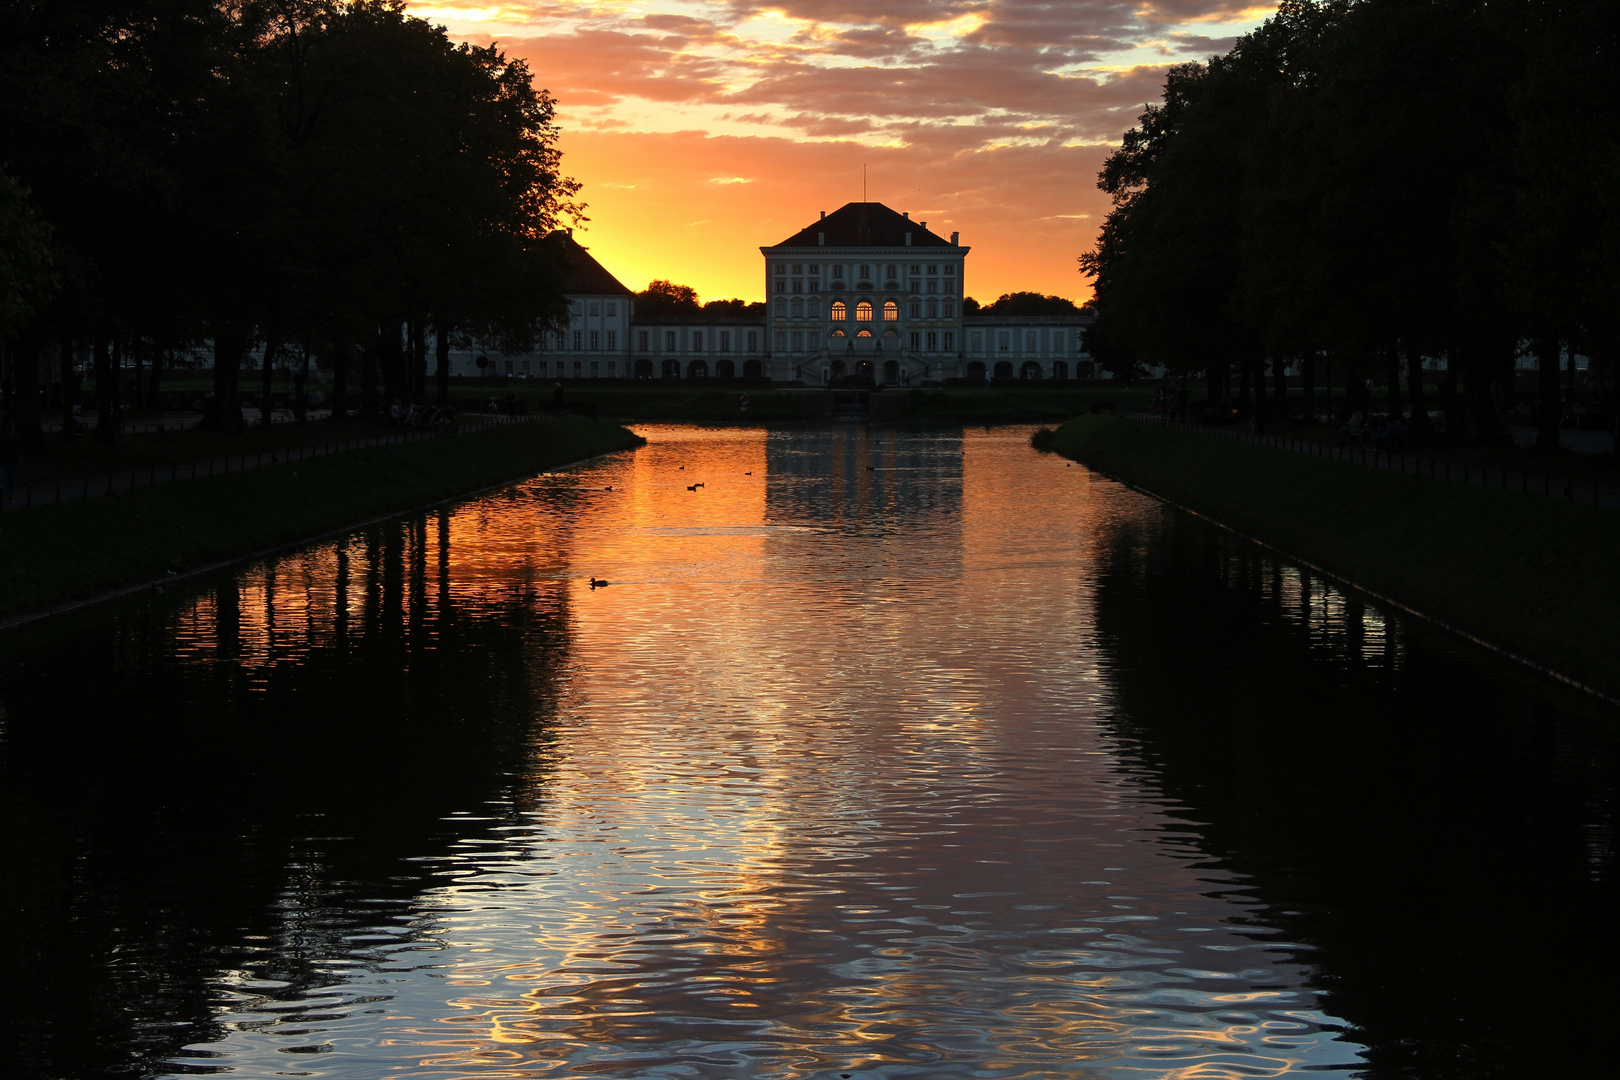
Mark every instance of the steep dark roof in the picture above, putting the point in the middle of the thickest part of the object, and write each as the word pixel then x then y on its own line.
pixel 589 276
pixel 864 224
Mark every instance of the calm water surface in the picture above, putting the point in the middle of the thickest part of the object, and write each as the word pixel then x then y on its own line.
pixel 886 753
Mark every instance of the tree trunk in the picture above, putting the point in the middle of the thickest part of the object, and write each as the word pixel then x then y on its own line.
pixel 106 389
pixel 225 410
pixel 300 408
pixel 154 383
pixel 1414 392
pixel 368 381
pixel 25 403
pixel 1550 407
pixel 1392 378
pixel 340 381
pixel 441 351
pixel 267 378
pixel 1307 379
pixel 1262 414
pixel 418 392
pixel 391 354
pixel 138 393
pixel 1279 382
pixel 71 385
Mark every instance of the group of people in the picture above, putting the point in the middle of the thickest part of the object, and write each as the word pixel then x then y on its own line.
pixel 416 415
pixel 1387 433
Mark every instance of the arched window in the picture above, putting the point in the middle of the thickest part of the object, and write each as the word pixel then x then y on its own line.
pixel 839 311
pixel 837 333
pixel 864 333
pixel 863 312
pixel 891 311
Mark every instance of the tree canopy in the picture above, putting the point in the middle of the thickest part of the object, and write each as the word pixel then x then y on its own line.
pixel 261 171
pixel 1374 182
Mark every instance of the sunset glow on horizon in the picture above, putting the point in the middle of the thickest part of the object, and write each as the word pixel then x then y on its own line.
pixel 703 129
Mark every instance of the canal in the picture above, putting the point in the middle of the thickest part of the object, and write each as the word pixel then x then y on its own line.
pixel 886 753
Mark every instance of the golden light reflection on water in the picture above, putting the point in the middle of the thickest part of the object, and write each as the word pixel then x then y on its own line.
pixel 824 781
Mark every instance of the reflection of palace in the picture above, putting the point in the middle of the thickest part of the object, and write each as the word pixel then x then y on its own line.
pixel 863 292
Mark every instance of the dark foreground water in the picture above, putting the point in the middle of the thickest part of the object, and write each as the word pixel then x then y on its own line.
pixel 885 754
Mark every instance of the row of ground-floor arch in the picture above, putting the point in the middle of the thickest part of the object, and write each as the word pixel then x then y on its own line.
pixel 699 369
pixel 889 371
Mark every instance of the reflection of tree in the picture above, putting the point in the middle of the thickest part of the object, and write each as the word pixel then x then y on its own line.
pixel 218 783
pixel 1424 820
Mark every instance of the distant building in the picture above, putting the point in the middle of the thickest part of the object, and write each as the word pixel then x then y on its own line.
pixel 862 293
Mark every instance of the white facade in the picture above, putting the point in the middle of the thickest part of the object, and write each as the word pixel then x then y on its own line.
pixel 862 293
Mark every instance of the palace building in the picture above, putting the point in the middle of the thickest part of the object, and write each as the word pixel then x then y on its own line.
pixel 863 293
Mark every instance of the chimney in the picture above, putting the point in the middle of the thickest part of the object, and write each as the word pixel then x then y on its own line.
pixel 954 235
pixel 821 238
pixel 924 224
pixel 824 215
pixel 906 214
pixel 908 239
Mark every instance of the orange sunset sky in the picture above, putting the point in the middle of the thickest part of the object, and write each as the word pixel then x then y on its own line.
pixel 702 129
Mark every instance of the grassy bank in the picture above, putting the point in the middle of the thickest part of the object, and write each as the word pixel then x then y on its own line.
pixel 1532 575
pixel 83 548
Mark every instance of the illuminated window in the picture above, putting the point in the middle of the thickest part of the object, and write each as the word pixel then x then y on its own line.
pixel 863 312
pixel 864 333
pixel 837 333
pixel 839 311
pixel 891 311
